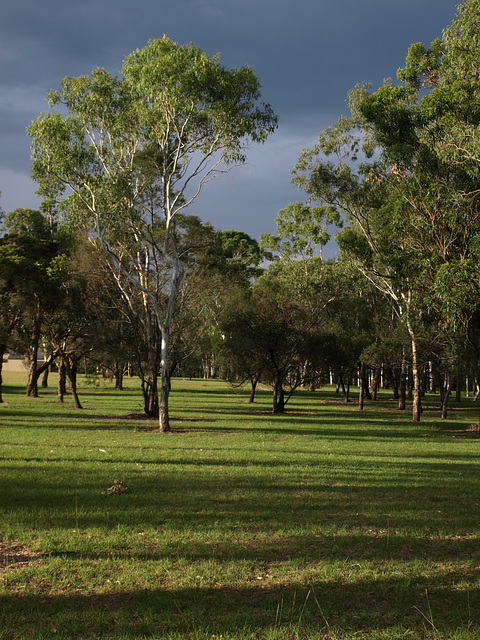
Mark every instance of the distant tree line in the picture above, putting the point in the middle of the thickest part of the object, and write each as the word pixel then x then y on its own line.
pixel 292 324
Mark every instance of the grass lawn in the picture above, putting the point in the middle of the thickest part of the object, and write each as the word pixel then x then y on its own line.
pixel 326 522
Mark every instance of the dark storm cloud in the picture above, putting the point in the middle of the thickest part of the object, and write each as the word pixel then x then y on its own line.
pixel 307 54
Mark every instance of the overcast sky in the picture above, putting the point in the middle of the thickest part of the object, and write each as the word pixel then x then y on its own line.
pixel 307 54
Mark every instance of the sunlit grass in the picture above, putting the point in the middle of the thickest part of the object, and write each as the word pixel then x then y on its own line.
pixel 322 523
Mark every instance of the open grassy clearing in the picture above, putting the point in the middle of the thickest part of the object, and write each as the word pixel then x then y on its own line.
pixel 323 523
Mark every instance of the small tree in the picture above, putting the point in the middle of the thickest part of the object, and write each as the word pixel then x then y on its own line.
pixel 27 252
pixel 275 331
pixel 136 151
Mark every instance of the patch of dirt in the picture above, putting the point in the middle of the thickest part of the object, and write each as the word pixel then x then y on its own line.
pixel 14 556
pixel 136 416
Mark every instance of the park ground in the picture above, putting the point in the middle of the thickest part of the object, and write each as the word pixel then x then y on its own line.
pixel 325 522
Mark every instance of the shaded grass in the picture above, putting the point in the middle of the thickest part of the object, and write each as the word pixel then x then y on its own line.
pixel 322 523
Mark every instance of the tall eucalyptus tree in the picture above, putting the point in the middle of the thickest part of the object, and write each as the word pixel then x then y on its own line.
pixel 135 151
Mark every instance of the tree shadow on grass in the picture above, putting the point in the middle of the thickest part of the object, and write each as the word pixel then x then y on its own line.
pixel 338 608
pixel 373 546
pixel 430 510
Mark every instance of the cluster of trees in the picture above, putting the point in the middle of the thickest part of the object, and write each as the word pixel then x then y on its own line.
pixel 64 297
pixel 404 171
pixel 118 271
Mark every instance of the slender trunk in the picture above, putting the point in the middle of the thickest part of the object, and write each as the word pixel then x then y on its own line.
pixel 361 395
pixel 341 383
pixel 376 383
pixel 34 375
pixel 393 378
pixel 366 390
pixel 171 370
pixel 417 397
pixel 446 395
pixel 431 378
pixel 402 387
pixel 253 382
pixel 177 275
pixel 347 391
pixel 458 390
pixel 145 393
pixel 152 404
pixel 32 381
pixel 35 371
pixel 119 376
pixel 72 377
pixel 275 397
pixel 442 385
pixel 3 348
pixel 163 415
pixel 278 397
pixel 45 378
pixel 62 375
pixel 424 383
pixel 150 384
pixel 350 380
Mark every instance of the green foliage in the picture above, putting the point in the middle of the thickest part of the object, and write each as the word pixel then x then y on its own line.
pixel 27 222
pixel 423 129
pixel 235 255
pixel 181 91
pixel 275 332
pixel 25 262
pixel 421 65
pixel 172 102
pixel 301 231
pixel 389 110
pixel 457 286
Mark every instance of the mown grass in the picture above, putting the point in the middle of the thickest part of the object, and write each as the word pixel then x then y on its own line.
pixel 322 523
